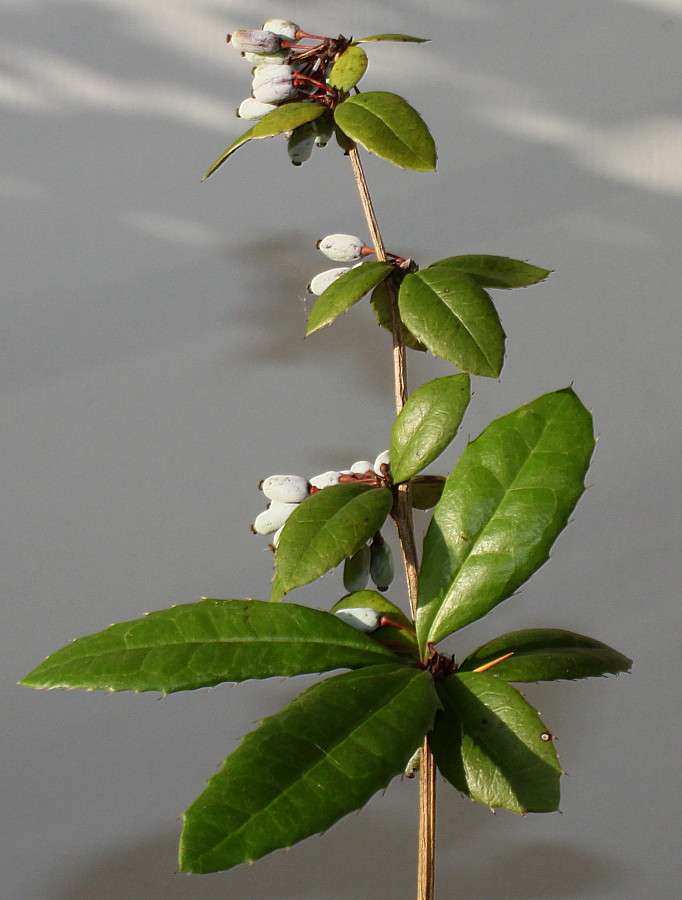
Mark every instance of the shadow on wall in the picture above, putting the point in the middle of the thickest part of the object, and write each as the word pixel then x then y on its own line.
pixel 349 862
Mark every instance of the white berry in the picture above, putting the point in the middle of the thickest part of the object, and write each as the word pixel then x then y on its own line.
pixel 254 109
pixel 285 488
pixel 282 28
pixel 325 480
pixel 341 247
pixel 255 41
pixel 321 282
pixel 361 617
pixel 273 517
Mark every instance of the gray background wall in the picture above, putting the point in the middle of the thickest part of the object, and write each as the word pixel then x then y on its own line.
pixel 153 371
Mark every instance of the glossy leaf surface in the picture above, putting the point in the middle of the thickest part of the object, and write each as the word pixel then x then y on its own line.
pixel 455 318
pixel 284 118
pixel 348 69
pixel 506 501
pixel 325 529
pixel 346 291
pixel 381 304
pixel 322 757
pixel 427 423
pixel 389 127
pixel 205 643
pixel 496 271
pixel 372 600
pixel 400 38
pixel 427 491
pixel 488 742
pixel 547 654
pixel 402 641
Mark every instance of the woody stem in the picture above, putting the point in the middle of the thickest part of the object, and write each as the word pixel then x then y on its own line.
pixel 403 519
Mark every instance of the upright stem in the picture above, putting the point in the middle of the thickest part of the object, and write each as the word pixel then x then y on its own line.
pixel 403 516
pixel 408 547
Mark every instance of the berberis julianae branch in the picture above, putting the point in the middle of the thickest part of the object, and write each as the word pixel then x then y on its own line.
pixel 404 705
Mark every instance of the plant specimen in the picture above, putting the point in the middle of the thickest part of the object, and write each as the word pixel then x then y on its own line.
pixel 403 705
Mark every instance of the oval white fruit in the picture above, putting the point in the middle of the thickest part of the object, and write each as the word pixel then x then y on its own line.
pixel 273 517
pixel 361 617
pixel 253 109
pixel 285 488
pixel 255 41
pixel 361 467
pixel 341 247
pixel 325 480
pixel 383 459
pixel 282 28
pixel 321 282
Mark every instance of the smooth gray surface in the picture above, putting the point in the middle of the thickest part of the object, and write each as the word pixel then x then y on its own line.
pixel 153 371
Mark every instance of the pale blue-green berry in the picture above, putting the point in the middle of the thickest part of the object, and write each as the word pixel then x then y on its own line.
pixel 326 479
pixel 285 488
pixel 325 131
pixel 383 459
pixel 267 59
pixel 322 281
pixel 282 28
pixel 273 84
pixel 361 617
pixel 301 143
pixel 255 41
pixel 361 467
pixel 273 517
pixel 356 570
pixel 413 764
pixel 381 565
pixel 254 109
pixel 341 247
pixel 266 72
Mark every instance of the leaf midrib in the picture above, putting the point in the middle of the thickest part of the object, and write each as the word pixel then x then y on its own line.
pixel 470 549
pixel 462 323
pixel 209 643
pixel 395 135
pixel 308 772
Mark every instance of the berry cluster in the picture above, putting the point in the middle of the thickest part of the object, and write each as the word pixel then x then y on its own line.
pixel 346 248
pixel 287 71
pixel 340 248
pixel 286 492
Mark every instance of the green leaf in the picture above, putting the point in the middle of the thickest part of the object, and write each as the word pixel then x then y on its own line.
pixel 348 69
pixel 372 600
pixel 427 424
pixel 508 498
pixel 401 38
pixel 456 319
pixel 325 529
pixel 322 757
pixel 401 640
pixel 381 304
pixel 284 118
pixel 492 745
pixel 344 292
pixel 427 491
pixel 547 654
pixel 389 127
pixel 496 271
pixel 202 644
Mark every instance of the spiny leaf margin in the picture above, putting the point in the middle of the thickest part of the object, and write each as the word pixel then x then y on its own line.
pixel 304 768
pixel 202 644
pixel 503 506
